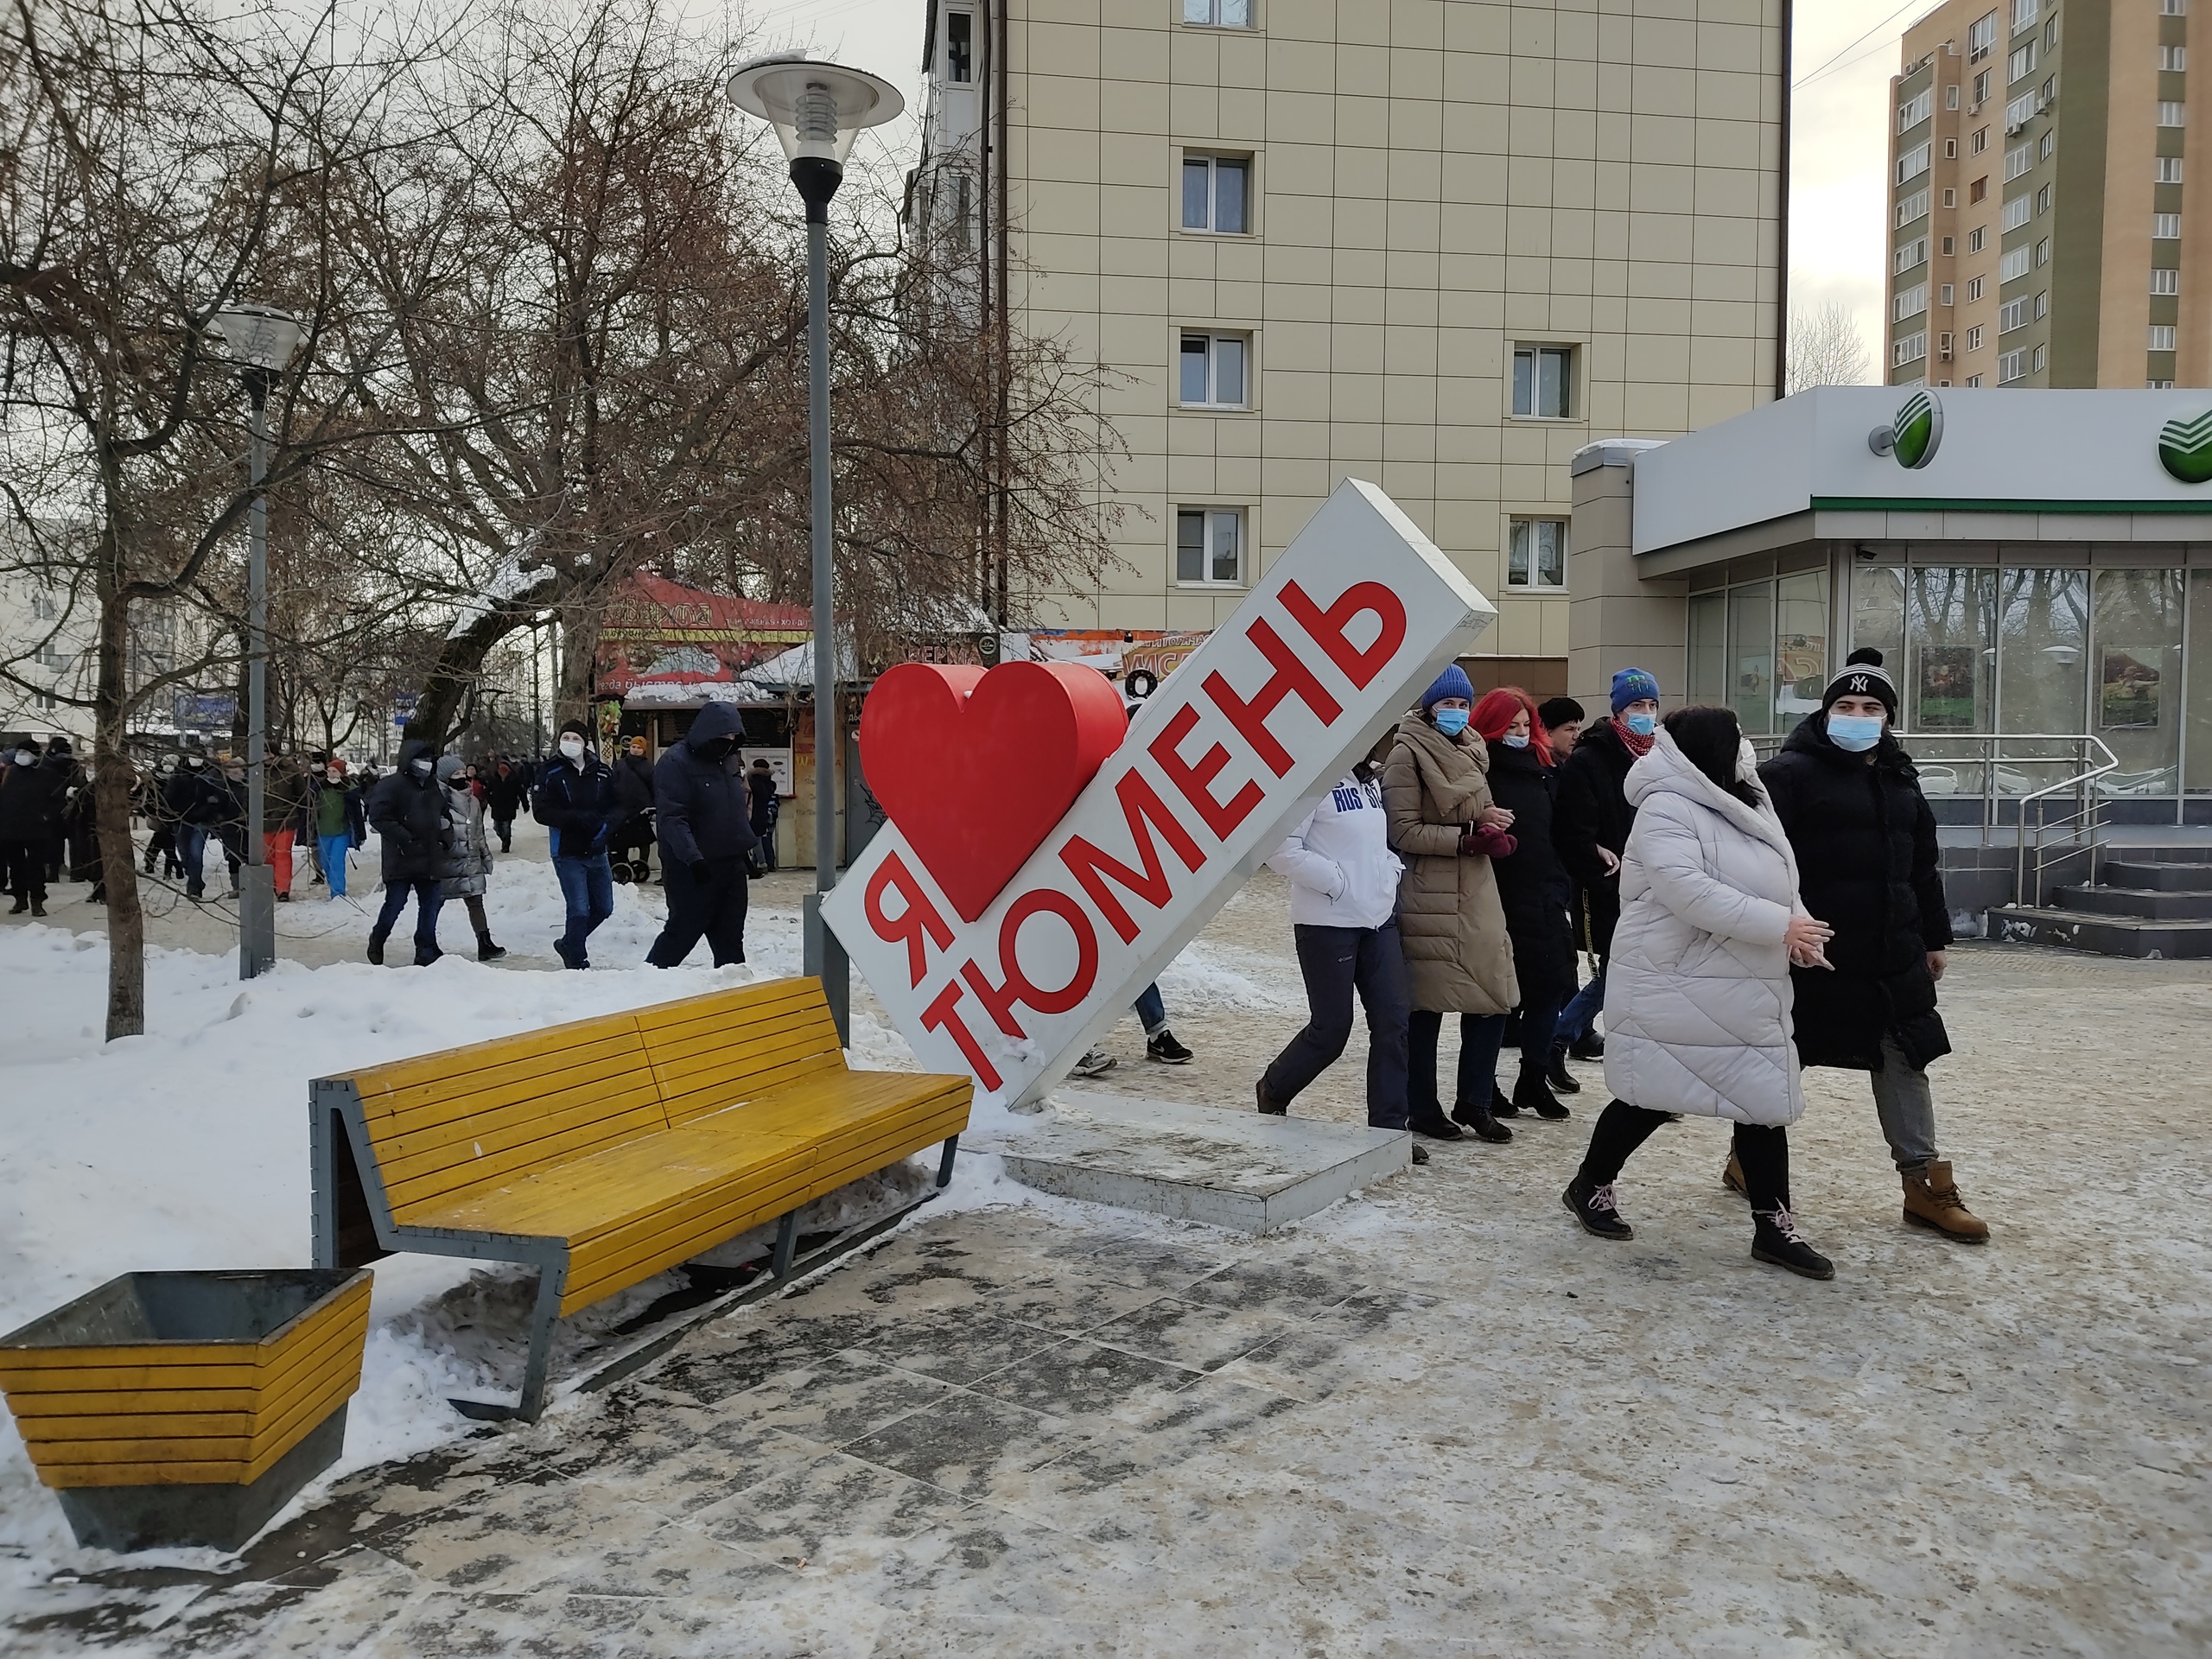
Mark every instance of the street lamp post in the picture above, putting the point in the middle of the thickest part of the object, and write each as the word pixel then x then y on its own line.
pixel 817 109
pixel 264 340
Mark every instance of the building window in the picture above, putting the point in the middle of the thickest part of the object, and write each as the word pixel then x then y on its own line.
pixel 2038 360
pixel 2014 264
pixel 2020 111
pixel 2160 386
pixel 2165 281
pixel 1950 97
pixel 1981 141
pixel 1543 381
pixel 1974 238
pixel 2162 336
pixel 2022 63
pixel 2168 169
pixel 1982 37
pixel 2018 211
pixel 2042 305
pixel 1913 111
pixel 2173 7
pixel 1913 206
pixel 1210 547
pixel 1950 150
pixel 1218 14
pixel 2018 161
pixel 1950 200
pixel 2173 115
pixel 1974 380
pixel 959 47
pixel 1914 162
pixel 1973 338
pixel 2013 365
pixel 1950 246
pixel 2043 252
pixel 1982 87
pixel 1536 553
pixel 2013 313
pixel 2165 227
pixel 42 607
pixel 1978 191
pixel 1217 194
pixel 1910 301
pixel 2023 13
pixel 2173 59
pixel 1213 371
pixel 1907 255
pixel 1974 290
pixel 1946 299
pixel 2043 201
pixel 1944 347
pixel 2047 144
pixel 1909 349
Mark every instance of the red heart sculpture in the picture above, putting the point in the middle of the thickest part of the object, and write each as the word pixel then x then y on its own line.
pixel 977 766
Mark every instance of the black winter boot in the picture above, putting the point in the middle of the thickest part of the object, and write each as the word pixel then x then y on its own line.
pixel 1595 1208
pixel 1588 1046
pixel 1561 1080
pixel 1484 1124
pixel 487 951
pixel 1500 1104
pixel 21 905
pixel 1775 1239
pixel 1269 1106
pixel 1436 1127
pixel 376 948
pixel 38 907
pixel 1530 1094
pixel 424 958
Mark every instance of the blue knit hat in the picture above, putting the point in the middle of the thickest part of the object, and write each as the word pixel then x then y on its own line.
pixel 1633 685
pixel 1451 683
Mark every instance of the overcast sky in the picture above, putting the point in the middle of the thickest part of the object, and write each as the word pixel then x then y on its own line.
pixel 1845 52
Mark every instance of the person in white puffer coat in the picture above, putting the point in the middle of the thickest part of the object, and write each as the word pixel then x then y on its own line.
pixel 1698 995
pixel 1343 898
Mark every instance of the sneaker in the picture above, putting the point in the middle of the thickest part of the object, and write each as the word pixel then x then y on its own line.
pixel 1588 1046
pixel 1596 1208
pixel 1561 1080
pixel 1165 1049
pixel 1096 1062
pixel 1269 1106
pixel 1775 1239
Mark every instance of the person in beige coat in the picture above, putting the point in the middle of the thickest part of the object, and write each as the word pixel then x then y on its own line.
pixel 1436 792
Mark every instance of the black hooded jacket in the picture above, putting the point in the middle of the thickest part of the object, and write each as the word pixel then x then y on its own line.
pixel 409 815
pixel 1591 810
pixel 1532 883
pixel 30 802
pixel 1866 865
pixel 704 810
pixel 581 806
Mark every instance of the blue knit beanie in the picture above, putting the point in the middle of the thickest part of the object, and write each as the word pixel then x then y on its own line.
pixel 1633 685
pixel 1451 683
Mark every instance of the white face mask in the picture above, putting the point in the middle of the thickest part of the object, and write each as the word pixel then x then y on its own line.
pixel 25 757
pixel 573 746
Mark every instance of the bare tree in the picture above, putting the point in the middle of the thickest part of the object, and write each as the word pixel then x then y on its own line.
pixel 1825 349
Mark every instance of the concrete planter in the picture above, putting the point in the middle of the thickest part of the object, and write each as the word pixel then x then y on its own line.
pixel 187 1409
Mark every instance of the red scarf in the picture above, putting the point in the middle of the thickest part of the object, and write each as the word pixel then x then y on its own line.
pixel 1639 744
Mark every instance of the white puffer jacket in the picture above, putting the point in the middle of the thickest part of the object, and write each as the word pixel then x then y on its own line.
pixel 1338 862
pixel 1698 997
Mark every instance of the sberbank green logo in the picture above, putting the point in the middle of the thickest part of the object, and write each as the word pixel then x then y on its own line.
pixel 2185 448
pixel 1916 433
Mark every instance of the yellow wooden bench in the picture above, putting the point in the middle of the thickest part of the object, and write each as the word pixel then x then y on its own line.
pixel 608 1150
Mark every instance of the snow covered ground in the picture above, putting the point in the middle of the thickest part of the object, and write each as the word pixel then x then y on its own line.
pixel 1436 1419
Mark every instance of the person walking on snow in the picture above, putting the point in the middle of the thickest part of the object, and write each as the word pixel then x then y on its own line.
pixel 161 813
pixel 1590 818
pixel 1444 825
pixel 197 799
pixel 415 825
pixel 1849 798
pixel 471 869
pixel 1343 901
pixel 633 773
pixel 1698 996
pixel 335 818
pixel 1530 884
pixel 284 803
pixel 30 807
pixel 578 801
pixel 760 788
pixel 503 797
pixel 707 842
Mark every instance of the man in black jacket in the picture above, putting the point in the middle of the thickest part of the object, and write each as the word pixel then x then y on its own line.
pixel 504 792
pixel 1591 820
pixel 30 806
pixel 706 841
pixel 760 782
pixel 1850 800
pixel 578 801
pixel 408 811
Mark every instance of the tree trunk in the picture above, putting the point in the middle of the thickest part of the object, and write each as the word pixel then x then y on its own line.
pixel 112 778
pixel 455 671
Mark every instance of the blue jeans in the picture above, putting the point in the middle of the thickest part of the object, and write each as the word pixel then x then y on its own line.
pixel 429 897
pixel 331 850
pixel 191 848
pixel 1480 1037
pixel 587 889
pixel 1152 1011
pixel 1581 1012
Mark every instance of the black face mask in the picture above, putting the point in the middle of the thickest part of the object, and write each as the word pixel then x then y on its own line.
pixel 720 749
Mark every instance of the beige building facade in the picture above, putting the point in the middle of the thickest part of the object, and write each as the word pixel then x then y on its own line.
pixel 2041 231
pixel 1434 244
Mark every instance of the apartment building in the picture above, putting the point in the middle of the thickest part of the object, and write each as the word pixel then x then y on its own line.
pixel 2040 231
pixel 1438 245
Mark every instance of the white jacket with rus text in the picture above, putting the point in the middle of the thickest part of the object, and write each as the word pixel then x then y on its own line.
pixel 1338 862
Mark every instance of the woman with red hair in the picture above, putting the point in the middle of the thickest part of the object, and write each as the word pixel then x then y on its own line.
pixel 1532 888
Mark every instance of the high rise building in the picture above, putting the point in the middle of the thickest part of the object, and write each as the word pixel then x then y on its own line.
pixel 1434 244
pixel 2040 233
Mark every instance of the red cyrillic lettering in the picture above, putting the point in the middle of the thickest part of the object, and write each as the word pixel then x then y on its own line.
pixel 919 918
pixel 1191 779
pixel 1019 987
pixel 1142 809
pixel 943 1016
pixel 1291 677
pixel 1327 627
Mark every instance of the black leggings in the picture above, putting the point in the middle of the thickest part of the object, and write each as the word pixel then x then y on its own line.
pixel 1762 1149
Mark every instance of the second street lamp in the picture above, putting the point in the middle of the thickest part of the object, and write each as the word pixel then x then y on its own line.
pixel 817 109
pixel 264 340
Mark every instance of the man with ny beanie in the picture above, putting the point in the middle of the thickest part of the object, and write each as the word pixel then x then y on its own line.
pixel 1850 800
pixel 1591 820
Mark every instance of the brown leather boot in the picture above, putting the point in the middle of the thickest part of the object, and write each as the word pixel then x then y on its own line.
pixel 1731 1176
pixel 1932 1200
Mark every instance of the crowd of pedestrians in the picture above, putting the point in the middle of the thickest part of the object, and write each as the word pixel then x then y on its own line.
pixel 1744 921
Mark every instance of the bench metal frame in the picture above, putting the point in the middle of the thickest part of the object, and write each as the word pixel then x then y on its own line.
pixel 348 1191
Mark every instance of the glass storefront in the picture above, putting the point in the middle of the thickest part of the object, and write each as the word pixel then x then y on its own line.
pixel 1761 647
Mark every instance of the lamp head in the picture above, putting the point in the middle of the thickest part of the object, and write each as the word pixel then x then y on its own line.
pixel 260 336
pixel 817 109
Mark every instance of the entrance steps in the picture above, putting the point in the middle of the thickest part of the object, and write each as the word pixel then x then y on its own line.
pixel 2150 903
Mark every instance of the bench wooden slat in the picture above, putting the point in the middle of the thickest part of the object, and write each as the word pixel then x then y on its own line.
pixel 456 1100
pixel 131 1402
pixel 636 1111
pixel 552 1116
pixel 376 1081
pixel 719 1097
pixel 739 1003
pixel 654 1241
pixel 670 1044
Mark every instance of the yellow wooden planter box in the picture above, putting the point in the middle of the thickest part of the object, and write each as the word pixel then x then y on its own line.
pixel 188 1407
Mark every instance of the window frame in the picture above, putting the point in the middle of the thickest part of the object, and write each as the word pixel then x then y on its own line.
pixel 1214 339
pixel 1214 162
pixel 961 53
pixel 1514 524
pixel 1210 517
pixel 1535 351
pixel 1184 7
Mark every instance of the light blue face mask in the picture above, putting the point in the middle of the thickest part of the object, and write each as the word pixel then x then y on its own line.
pixel 1642 724
pixel 1451 722
pixel 1855 734
pixel 1513 743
